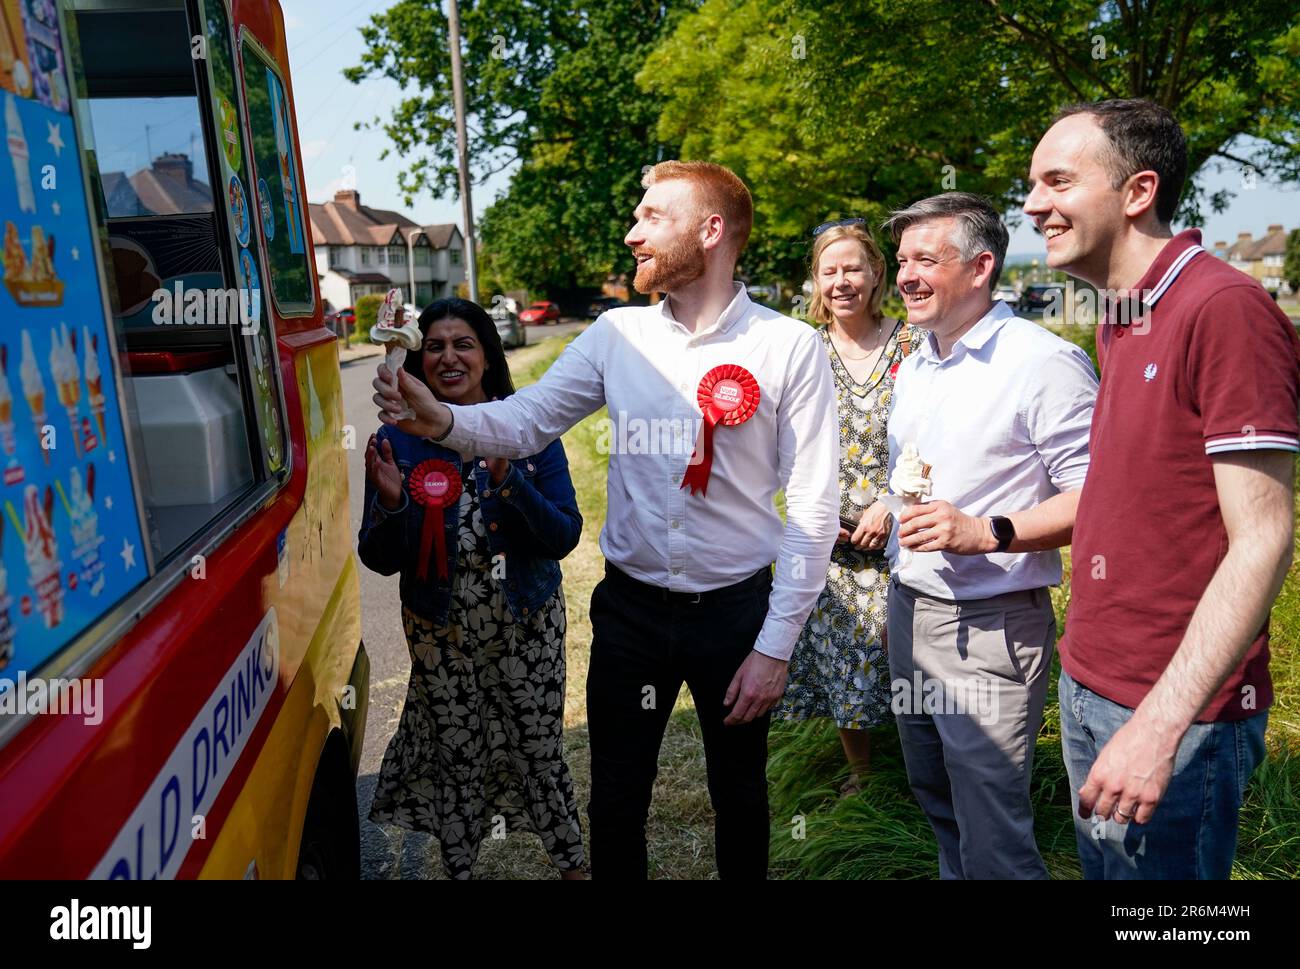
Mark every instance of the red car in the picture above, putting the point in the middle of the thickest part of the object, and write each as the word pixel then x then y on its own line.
pixel 541 312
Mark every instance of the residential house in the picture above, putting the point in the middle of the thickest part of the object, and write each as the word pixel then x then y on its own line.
pixel 1260 259
pixel 362 250
pixel 167 187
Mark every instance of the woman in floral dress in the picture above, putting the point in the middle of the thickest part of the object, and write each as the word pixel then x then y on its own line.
pixel 840 669
pixel 479 747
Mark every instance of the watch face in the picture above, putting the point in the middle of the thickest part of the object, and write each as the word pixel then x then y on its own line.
pixel 1003 530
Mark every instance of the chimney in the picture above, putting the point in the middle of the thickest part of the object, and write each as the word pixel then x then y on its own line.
pixel 176 167
pixel 1243 236
pixel 348 196
pixel 1274 228
pixel 1220 246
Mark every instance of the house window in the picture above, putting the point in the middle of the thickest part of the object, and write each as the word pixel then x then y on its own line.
pixel 423 256
pixel 336 255
pixel 396 256
pixel 365 255
pixel 455 256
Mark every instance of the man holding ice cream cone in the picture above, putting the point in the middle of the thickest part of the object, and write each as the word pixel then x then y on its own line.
pixel 988 443
pixel 689 595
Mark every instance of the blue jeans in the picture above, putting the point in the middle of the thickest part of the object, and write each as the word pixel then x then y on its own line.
pixel 1193 834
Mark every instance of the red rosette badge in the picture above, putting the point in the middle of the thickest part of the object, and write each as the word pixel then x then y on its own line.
pixel 728 395
pixel 434 485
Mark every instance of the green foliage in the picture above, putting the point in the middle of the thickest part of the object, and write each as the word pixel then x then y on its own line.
pixel 1291 264
pixel 367 310
pixel 853 107
pixel 548 85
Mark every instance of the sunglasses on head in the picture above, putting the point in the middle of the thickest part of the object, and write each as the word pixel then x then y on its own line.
pixel 838 222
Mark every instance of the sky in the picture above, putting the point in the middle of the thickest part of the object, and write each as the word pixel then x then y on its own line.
pixel 324 38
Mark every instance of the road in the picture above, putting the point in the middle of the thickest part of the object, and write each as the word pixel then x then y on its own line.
pixel 387 852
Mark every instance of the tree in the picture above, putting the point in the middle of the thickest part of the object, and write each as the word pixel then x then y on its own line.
pixel 852 107
pixel 550 87
pixel 1291 265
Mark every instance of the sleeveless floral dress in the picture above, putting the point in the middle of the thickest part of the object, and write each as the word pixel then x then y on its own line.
pixel 840 668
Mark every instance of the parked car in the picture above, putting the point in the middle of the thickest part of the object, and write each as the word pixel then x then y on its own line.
pixel 509 328
pixel 602 303
pixel 1006 294
pixel 541 312
pixel 348 317
pixel 1038 296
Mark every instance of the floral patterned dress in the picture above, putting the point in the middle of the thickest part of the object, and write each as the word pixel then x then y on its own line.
pixel 479 749
pixel 840 668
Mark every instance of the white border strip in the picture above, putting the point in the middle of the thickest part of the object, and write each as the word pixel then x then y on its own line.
pixel 1172 272
pixel 1251 442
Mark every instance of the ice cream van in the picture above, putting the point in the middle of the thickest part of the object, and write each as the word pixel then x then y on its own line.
pixel 183 685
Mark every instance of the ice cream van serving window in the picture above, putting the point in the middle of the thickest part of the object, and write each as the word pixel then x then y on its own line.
pixel 279 202
pixel 195 414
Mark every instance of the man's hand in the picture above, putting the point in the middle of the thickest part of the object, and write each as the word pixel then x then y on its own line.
pixel 936 526
pixel 1130 775
pixel 756 688
pixel 432 419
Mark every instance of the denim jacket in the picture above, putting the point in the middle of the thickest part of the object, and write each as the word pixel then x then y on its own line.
pixel 532 519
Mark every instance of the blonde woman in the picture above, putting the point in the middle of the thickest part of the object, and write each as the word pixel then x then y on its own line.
pixel 839 668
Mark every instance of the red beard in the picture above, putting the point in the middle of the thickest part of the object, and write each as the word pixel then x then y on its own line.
pixel 673 267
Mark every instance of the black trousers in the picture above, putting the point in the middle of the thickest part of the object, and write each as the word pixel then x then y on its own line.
pixel 646 642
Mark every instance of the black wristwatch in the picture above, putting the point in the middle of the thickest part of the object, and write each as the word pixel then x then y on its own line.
pixel 1003 531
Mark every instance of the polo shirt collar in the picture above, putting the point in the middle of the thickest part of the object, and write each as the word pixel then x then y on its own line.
pixel 973 339
pixel 1161 274
pixel 737 310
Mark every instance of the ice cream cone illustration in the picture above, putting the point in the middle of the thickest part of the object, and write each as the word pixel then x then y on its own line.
pixel 86 539
pixel 34 390
pixel 94 379
pixel 19 155
pixel 67 378
pixel 41 549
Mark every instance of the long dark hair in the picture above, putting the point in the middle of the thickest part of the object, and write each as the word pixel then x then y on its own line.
pixel 496 378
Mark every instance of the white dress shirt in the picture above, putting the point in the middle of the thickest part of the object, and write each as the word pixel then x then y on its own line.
pixel 646 367
pixel 1003 421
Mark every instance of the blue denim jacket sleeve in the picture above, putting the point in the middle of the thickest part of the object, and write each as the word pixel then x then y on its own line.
pixel 546 506
pixel 381 543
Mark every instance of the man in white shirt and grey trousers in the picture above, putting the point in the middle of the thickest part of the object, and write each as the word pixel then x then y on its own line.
pixel 689 594
pixel 1001 410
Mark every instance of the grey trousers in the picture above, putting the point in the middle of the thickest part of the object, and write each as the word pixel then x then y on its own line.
pixel 969 682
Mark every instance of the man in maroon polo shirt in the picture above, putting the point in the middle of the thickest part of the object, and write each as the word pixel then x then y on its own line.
pixel 1185 528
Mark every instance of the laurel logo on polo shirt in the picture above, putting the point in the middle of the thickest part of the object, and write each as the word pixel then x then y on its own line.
pixel 1150 372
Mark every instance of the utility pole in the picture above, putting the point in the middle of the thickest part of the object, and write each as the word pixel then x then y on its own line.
pixel 462 150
